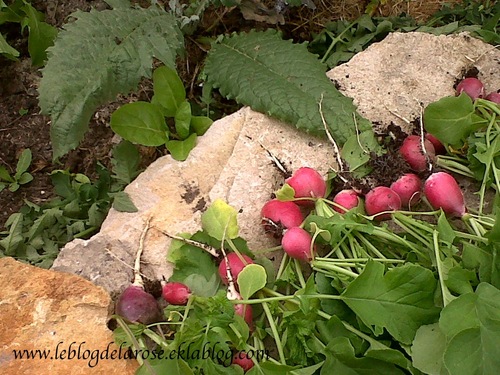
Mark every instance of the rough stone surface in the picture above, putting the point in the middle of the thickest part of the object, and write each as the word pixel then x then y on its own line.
pixel 45 310
pixel 229 162
pixel 390 78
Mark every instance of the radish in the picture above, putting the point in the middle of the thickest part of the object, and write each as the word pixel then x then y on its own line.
pixel 241 359
pixel 236 264
pixel 346 198
pixel 245 311
pixel 296 242
pixel 408 188
pixel 411 150
pixel 176 293
pixel 135 304
pixel 493 97
pixel 472 87
pixel 276 214
pixel 442 191
pixel 382 199
pixel 307 182
pixel 438 146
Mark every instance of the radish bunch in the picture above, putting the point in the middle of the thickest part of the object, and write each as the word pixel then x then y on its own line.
pixel 475 89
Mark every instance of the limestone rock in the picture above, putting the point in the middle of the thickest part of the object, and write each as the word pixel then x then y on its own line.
pixel 54 311
pixel 229 162
pixel 389 79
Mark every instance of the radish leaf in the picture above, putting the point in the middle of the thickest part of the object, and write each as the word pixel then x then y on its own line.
pixel 180 149
pixel 251 279
pixel 219 221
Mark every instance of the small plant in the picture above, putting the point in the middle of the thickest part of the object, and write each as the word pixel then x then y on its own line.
pixel 147 123
pixel 21 177
pixel 41 34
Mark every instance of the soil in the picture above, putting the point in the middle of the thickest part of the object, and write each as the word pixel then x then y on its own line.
pixel 22 126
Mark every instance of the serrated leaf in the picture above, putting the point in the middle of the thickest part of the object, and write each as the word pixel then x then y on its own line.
pixel 183 120
pixel 96 57
pixel 180 149
pixel 251 279
pixel 122 202
pixel 380 300
pixel 283 80
pixel 125 160
pixel 219 220
pixel 140 122
pixel 168 89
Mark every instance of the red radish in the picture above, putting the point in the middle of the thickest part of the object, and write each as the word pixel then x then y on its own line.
pixel 411 150
pixel 236 264
pixel 472 87
pixel 382 199
pixel 438 146
pixel 176 293
pixel 493 97
pixel 286 214
pixel 241 359
pixel 296 242
pixel 442 191
pixel 307 182
pixel 346 198
pixel 408 188
pixel 137 306
pixel 245 311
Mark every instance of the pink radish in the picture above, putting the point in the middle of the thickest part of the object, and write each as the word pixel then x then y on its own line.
pixel 176 293
pixel 411 150
pixel 296 242
pixel 307 183
pixel 438 146
pixel 236 264
pixel 472 87
pixel 382 199
pixel 346 198
pixel 493 97
pixel 245 311
pixel 408 188
pixel 278 213
pixel 442 191
pixel 241 359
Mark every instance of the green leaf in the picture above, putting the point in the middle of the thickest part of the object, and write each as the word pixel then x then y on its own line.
pixel 5 175
pixel 23 163
pixel 125 160
pixel 180 149
pixel 287 82
pixel 98 56
pixel 471 324
pixel 450 119
pixel 140 122
pixel 165 366
pixel 15 238
pixel 286 193
pixel 183 120
pixel 200 124
pixel 219 220
pixel 381 300
pixel 428 348
pixel 41 35
pixel 25 178
pixel 251 279
pixel 356 155
pixel 122 202
pixel 168 89
pixel 14 186
pixel 7 50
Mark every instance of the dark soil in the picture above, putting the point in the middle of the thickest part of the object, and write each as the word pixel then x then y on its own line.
pixel 22 126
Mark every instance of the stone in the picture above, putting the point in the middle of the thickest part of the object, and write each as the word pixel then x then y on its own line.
pixel 54 311
pixel 231 162
pixel 397 77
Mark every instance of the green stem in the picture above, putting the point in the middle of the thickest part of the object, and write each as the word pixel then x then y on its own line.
pixel 274 330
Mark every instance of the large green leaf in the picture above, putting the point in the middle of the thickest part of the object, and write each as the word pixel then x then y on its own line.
pixel 283 80
pixel 400 301
pixel 471 324
pixel 98 56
